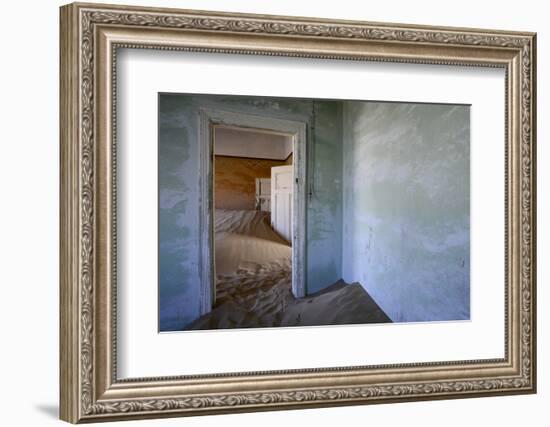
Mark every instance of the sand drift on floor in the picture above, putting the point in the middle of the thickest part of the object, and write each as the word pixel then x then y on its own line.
pixel 254 282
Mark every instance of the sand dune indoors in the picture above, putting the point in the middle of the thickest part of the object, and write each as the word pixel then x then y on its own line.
pixel 245 239
pixel 253 289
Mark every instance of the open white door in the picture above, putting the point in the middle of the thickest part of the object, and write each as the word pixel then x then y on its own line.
pixel 281 200
pixel 263 194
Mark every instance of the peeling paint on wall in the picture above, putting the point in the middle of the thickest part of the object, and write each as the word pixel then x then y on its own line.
pixel 324 213
pixel 178 214
pixel 388 202
pixel 178 194
pixel 406 207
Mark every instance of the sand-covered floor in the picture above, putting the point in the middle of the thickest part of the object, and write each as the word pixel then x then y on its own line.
pixel 245 240
pixel 253 288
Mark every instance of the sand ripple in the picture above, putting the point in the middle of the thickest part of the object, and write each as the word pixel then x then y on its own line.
pixel 254 277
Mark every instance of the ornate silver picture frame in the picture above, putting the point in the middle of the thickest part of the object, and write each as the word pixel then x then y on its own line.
pixel 91 390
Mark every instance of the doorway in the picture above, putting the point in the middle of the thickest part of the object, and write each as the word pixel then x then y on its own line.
pixel 253 200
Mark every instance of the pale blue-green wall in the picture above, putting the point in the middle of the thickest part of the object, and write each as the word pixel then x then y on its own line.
pixel 324 208
pixel 178 213
pixel 388 204
pixel 178 194
pixel 406 207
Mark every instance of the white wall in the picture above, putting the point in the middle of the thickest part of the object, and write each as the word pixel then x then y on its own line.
pixel 29 170
pixel 248 143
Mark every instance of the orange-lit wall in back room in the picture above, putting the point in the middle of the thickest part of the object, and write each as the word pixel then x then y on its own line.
pixel 234 180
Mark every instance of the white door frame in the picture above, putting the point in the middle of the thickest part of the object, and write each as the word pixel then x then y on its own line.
pixel 208 118
pixel 261 195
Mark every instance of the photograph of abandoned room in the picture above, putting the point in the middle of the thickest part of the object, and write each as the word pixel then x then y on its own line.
pixel 279 212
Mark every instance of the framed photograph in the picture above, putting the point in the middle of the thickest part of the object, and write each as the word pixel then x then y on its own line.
pixel 267 212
